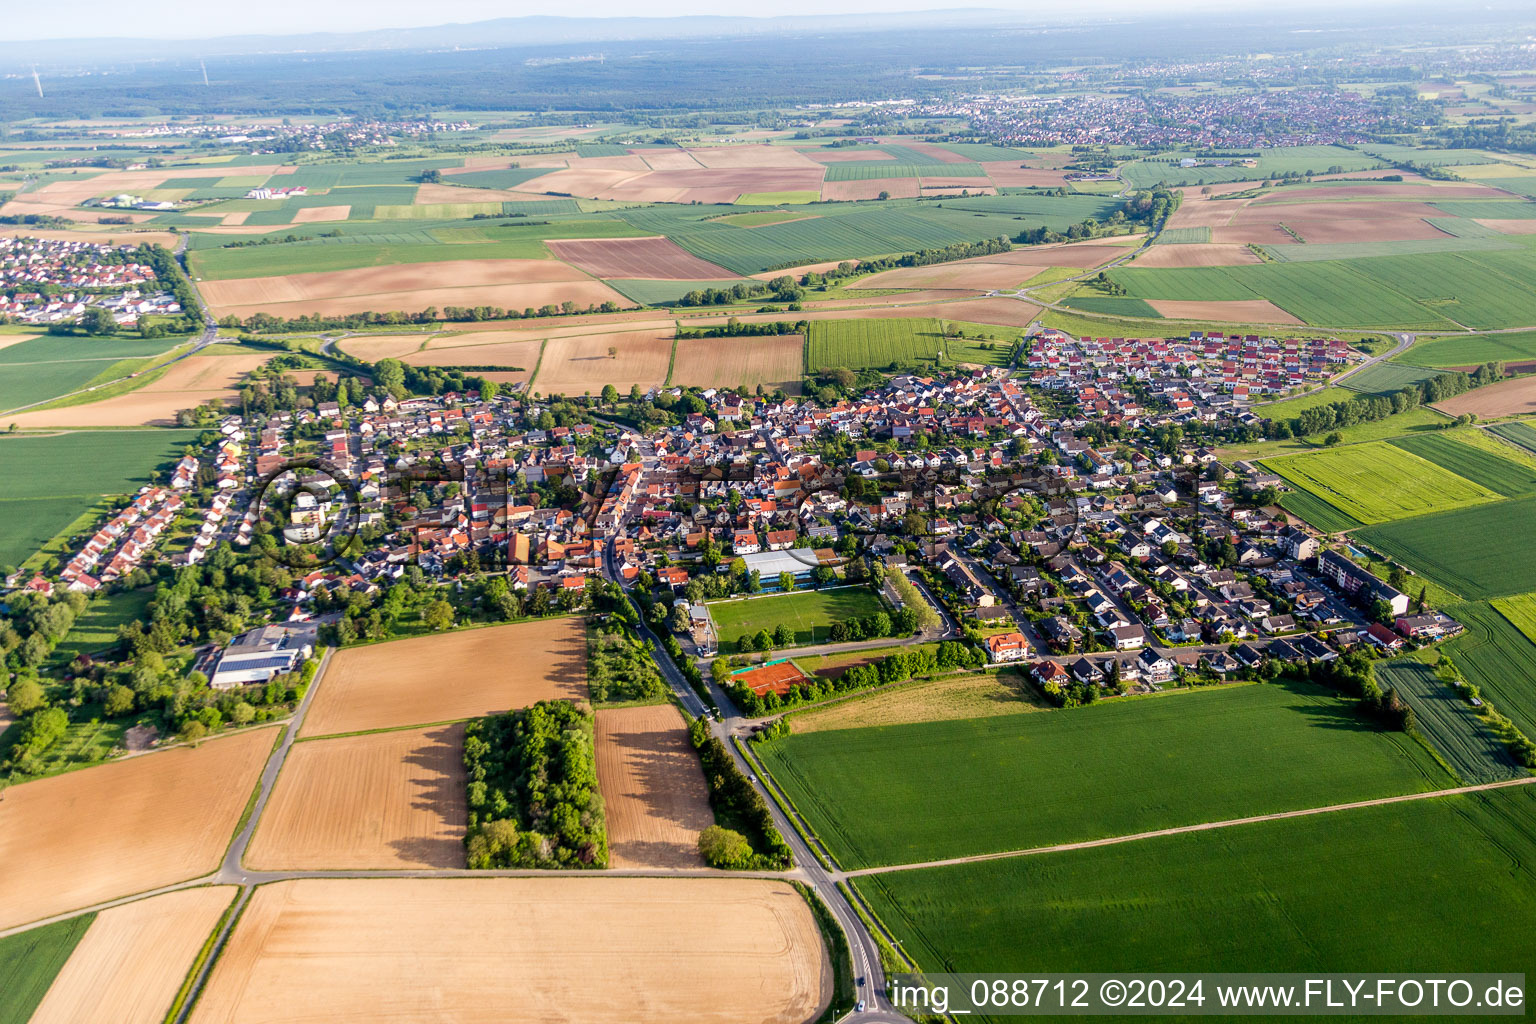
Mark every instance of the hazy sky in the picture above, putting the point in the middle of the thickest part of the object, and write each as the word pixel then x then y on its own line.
pixel 183 19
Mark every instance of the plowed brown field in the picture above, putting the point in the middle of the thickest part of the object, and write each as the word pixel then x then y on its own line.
pixel 471 950
pixel 106 832
pixel 381 800
pixel 449 676
pixel 657 803
pixel 655 258
pixel 133 958
pixel 1506 398
pixel 1197 255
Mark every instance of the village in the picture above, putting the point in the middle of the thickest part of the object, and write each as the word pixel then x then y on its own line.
pixel 1066 516
pixel 46 281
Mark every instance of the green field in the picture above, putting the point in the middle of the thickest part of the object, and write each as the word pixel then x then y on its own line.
pixel 660 293
pixel 1476 552
pixel 1471 238
pixel 1107 305
pixel 46 482
pixel 1386 377
pixel 435 211
pixel 1449 723
pixel 1498 653
pixel 1183 236
pixel 1318 512
pixel 758 218
pixel 1469 454
pixel 901 794
pixel 1378 482
pixel 505 179
pixel 810 613
pixel 1517 346
pixel 30 960
pixel 1300 894
pixel 45 367
pixel 775 198
pixel 1522 434
pixel 857 344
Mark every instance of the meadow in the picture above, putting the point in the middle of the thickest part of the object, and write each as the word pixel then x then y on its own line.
pixel 1498 653
pixel 95 629
pixel 1377 482
pixel 30 960
pixel 1448 722
pixel 1274 896
pixel 906 793
pixel 1473 456
pixel 810 613
pixel 857 344
pixel 1477 552
pixel 1515 347
pixel 1418 420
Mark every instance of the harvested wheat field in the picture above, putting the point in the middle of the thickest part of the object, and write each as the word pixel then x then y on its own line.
pixel 576 365
pixel 102 833
pixel 652 786
pixel 121 236
pixel 753 156
pixel 577 181
pixel 713 184
pixel 7 340
pixel 381 800
pixel 1197 254
pixel 773 362
pixel 1516 397
pixel 1008 174
pixel 132 960
pixel 1082 255
pixel 521 354
pixel 869 188
pixel 238 217
pixel 656 258
pixel 449 676
pixel 320 214
pixel 589 950
pixel 668 159
pixel 1525 226
pixel 379 347
pixel 410 287
pixel 1241 311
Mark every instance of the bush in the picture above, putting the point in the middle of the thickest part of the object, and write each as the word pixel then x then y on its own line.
pixel 724 848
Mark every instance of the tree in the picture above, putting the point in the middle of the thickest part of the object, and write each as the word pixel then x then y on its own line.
pixel 438 615
pixel 1333 439
pixel 786 581
pixel 119 702
pixel 783 636
pixel 724 848
pixel 98 321
pixel 610 394
pixel 763 640
pixel 25 697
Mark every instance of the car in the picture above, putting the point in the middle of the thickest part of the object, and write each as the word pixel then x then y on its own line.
pixel 859 981
pixel 860 1007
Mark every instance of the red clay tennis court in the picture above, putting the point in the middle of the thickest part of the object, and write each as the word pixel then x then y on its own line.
pixel 780 677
